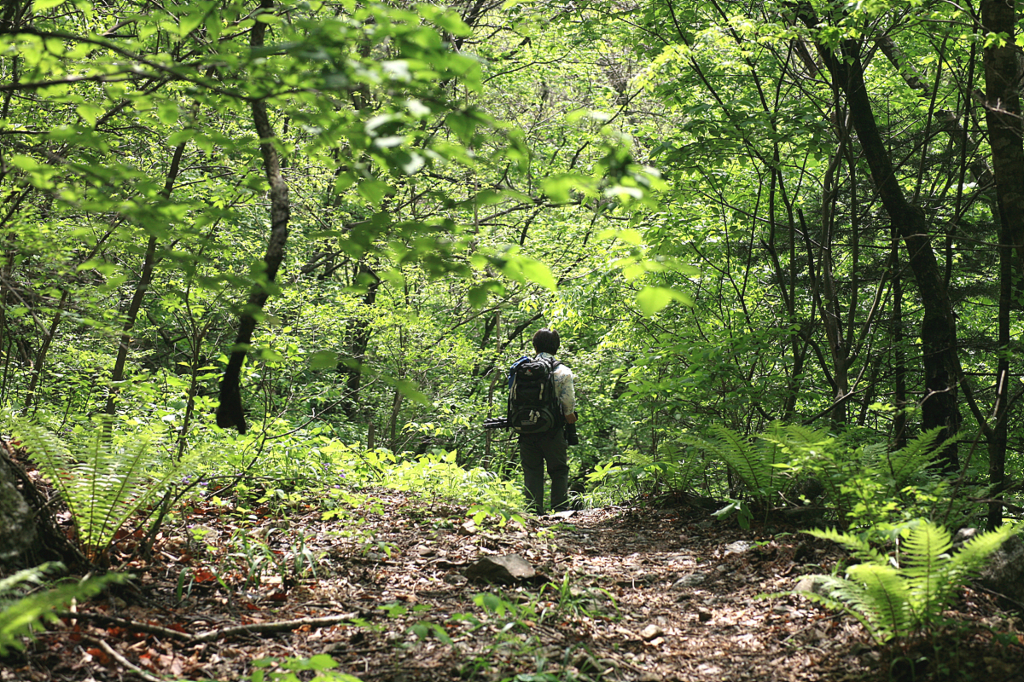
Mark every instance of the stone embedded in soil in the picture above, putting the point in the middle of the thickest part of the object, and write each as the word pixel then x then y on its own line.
pixel 504 569
pixel 1003 573
pixel 690 580
pixel 650 632
pixel 814 584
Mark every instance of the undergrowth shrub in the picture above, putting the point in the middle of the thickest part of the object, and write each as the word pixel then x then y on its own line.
pixel 324 470
pixel 638 475
pixel 857 484
pixel 903 593
pixel 22 611
pixel 103 476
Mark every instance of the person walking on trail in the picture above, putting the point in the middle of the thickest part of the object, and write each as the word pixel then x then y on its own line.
pixel 541 425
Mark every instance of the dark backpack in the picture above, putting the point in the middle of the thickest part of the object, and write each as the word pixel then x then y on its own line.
pixel 532 404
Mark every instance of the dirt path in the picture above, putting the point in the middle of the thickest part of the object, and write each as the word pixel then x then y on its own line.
pixel 663 595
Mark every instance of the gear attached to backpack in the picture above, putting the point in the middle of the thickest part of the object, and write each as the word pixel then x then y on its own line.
pixel 532 404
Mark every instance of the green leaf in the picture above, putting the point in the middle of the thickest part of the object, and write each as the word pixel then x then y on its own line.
pixel 462 125
pixel 181 136
pixel 559 187
pixel 374 191
pixel 323 359
pixel 411 391
pixel 478 296
pixel 43 5
pixel 653 300
pixel 167 112
pixel 89 112
pixel 629 236
pixel 189 22
pixel 538 273
pixel 270 355
pixel 269 19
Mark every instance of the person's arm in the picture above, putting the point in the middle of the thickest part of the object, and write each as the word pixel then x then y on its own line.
pixel 566 393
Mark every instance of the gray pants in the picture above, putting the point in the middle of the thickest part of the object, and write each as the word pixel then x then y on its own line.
pixel 536 450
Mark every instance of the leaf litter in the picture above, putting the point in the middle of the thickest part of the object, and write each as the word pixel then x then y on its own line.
pixel 621 594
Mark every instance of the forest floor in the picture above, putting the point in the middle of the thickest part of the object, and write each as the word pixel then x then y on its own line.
pixel 649 595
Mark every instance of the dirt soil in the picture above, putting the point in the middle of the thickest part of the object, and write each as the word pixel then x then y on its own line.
pixel 620 594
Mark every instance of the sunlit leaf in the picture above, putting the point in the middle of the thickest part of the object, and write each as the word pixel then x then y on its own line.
pixel 653 300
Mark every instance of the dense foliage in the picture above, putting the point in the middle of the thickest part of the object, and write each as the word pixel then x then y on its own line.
pixel 307 238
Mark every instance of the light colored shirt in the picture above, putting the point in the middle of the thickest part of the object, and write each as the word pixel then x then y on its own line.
pixel 564 390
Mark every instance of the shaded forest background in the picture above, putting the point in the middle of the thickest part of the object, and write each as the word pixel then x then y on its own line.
pixel 289 238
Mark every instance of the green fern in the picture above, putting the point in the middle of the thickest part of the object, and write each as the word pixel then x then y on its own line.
pixel 914 458
pixel 808 452
pixel 20 614
pixel 755 466
pixel 102 485
pixel 896 597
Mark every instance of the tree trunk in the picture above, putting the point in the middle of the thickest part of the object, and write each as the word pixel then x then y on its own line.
pixel 938 328
pixel 148 262
pixel 1003 117
pixel 229 412
pixel 44 348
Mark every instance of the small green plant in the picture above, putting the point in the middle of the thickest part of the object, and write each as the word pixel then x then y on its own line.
pixel 569 602
pixel 21 613
pixel 737 508
pixel 480 513
pixel 903 594
pixel 256 559
pixel 296 669
pixel 102 482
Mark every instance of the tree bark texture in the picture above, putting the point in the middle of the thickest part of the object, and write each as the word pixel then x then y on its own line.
pixel 28 534
pixel 938 328
pixel 1003 118
pixel 230 413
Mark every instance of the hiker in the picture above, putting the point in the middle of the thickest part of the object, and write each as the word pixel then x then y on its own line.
pixel 541 403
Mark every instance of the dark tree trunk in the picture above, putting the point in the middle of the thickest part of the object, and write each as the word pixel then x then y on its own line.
pixel 229 412
pixel 1003 117
pixel 938 328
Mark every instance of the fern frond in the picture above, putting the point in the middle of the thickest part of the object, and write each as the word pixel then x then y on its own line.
pixel 740 455
pixel 915 457
pixel 798 435
pixel 806 451
pixel 105 485
pixel 976 551
pixel 895 600
pixel 46 451
pixel 884 599
pixel 924 563
pixel 856 545
pixel 19 617
pixel 858 600
pixel 128 484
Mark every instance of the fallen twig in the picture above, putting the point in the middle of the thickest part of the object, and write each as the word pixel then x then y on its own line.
pixel 110 651
pixel 218 633
pixel 279 626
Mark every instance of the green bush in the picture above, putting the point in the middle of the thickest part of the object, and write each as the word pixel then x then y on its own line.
pixel 903 593
pixel 102 481
pixel 21 613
